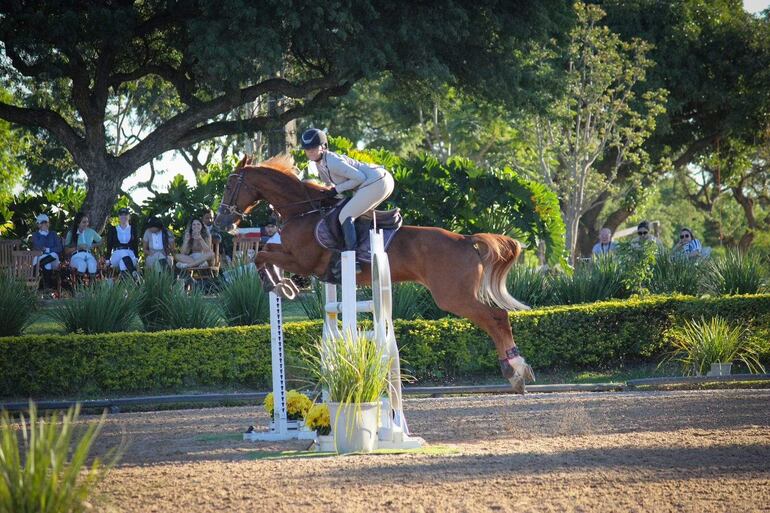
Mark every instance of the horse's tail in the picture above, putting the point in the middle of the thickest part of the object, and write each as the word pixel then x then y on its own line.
pixel 500 255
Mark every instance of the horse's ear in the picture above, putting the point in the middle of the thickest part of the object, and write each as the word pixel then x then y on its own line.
pixel 242 162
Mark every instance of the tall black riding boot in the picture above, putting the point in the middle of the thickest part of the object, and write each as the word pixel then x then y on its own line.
pixel 351 238
pixel 130 267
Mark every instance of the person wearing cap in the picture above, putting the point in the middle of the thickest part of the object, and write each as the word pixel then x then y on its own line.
pixel 79 244
pixel 50 245
pixel 370 184
pixel 270 234
pixel 158 244
pixel 123 244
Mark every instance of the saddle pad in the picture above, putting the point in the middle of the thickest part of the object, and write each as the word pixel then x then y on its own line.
pixel 327 239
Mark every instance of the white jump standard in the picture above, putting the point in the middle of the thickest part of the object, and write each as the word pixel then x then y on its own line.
pixel 392 432
pixel 280 428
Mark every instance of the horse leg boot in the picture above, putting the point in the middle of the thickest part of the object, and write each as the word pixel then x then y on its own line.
pixel 516 370
pixel 351 238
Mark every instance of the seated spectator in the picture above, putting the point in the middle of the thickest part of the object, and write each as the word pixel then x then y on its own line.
pixel 196 247
pixel 123 245
pixel 643 234
pixel 270 234
pixel 79 243
pixel 50 245
pixel 688 245
pixel 158 245
pixel 606 245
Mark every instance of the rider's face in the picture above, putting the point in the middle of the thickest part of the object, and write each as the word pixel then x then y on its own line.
pixel 314 153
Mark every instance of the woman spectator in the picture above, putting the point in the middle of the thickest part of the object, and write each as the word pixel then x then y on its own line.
pixel 79 242
pixel 688 245
pixel 123 245
pixel 50 245
pixel 158 244
pixel 196 246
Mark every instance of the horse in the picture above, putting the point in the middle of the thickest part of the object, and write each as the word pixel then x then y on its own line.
pixel 465 274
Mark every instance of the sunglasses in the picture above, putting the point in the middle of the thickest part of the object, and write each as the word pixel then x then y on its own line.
pixel 685 236
pixel 642 233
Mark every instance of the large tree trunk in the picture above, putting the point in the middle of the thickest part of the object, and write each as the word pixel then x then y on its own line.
pixel 104 183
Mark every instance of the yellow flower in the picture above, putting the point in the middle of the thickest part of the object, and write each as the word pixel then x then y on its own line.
pixel 297 404
pixel 268 405
pixel 317 418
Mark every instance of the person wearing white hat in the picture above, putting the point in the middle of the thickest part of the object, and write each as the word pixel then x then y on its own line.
pixel 50 245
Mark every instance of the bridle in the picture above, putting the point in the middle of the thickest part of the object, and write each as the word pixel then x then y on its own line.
pixel 230 208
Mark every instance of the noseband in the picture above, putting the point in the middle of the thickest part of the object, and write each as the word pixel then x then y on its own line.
pixel 230 208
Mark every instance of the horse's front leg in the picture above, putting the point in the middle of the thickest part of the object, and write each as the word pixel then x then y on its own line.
pixel 280 259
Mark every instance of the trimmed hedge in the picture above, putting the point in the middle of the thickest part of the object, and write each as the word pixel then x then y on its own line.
pixel 577 336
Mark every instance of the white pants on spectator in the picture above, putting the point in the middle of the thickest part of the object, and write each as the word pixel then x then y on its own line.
pixel 157 259
pixel 83 261
pixel 116 260
pixel 51 265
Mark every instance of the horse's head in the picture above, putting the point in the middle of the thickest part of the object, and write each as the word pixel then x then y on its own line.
pixel 239 197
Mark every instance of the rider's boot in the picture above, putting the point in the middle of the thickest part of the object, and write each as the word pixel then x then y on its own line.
pixel 351 238
pixel 516 370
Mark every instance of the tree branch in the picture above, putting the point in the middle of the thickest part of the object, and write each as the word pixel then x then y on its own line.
pixel 49 120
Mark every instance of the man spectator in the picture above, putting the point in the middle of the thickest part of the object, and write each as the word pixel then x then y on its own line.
pixel 606 245
pixel 50 245
pixel 270 234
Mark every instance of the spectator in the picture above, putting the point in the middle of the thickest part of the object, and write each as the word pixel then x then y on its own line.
pixel 643 234
pixel 158 244
pixel 79 243
pixel 688 245
pixel 208 222
pixel 196 247
pixel 606 245
pixel 270 233
pixel 123 245
pixel 50 245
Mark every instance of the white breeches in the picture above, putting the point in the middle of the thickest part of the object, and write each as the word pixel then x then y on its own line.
pixel 51 265
pixel 116 260
pixel 83 262
pixel 155 259
pixel 367 198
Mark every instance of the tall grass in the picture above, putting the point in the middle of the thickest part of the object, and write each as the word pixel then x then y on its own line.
pixel 595 281
pixel 17 303
pixel 736 272
pixel 156 289
pixel 529 285
pixel 313 302
pixel 42 474
pixel 243 300
pixel 698 344
pixel 103 307
pixel 182 310
pixel 676 273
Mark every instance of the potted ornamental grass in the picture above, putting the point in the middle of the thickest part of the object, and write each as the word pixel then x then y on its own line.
pixel 710 348
pixel 355 375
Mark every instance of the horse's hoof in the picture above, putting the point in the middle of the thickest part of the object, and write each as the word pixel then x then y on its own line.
pixel 517 383
pixel 528 374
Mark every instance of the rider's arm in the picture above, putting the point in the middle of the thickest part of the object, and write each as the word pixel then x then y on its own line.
pixel 340 168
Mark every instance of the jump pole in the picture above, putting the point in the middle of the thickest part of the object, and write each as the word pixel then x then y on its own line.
pixel 280 428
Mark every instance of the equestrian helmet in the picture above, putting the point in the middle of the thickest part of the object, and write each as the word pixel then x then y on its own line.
pixel 313 138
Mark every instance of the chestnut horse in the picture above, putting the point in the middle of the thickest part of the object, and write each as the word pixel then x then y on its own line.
pixel 465 274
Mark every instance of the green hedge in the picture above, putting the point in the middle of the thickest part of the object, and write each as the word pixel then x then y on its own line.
pixel 578 336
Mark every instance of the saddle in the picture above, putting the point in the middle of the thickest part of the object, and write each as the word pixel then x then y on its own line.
pixel 328 233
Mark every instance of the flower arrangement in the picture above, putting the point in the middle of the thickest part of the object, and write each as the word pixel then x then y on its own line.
pixel 317 419
pixel 297 405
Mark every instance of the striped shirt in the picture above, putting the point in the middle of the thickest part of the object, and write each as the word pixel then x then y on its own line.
pixel 692 247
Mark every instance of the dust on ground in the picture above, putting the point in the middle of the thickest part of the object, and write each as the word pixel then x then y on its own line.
pixel 587 452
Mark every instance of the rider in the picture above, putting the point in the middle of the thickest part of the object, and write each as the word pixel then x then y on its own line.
pixel 371 184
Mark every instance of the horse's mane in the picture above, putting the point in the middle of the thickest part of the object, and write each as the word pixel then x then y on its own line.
pixel 284 164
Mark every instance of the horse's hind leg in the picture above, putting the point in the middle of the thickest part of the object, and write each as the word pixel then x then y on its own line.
pixel 494 321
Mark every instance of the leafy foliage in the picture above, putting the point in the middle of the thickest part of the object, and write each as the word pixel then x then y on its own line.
pixel 598 281
pixel 101 308
pixel 193 310
pixel 45 474
pixel 17 304
pixel 243 300
pixel 698 344
pixel 736 273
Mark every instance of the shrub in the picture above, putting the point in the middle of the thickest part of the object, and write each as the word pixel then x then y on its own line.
pixel 44 476
pixel 697 345
pixel 676 273
pixel 529 285
pixel 17 303
pixel 182 310
pixel 103 307
pixel 596 281
pixel 736 273
pixel 243 300
pixel 156 289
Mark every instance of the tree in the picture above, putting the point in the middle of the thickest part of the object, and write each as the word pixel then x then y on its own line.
pixel 597 117
pixel 13 143
pixel 68 61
